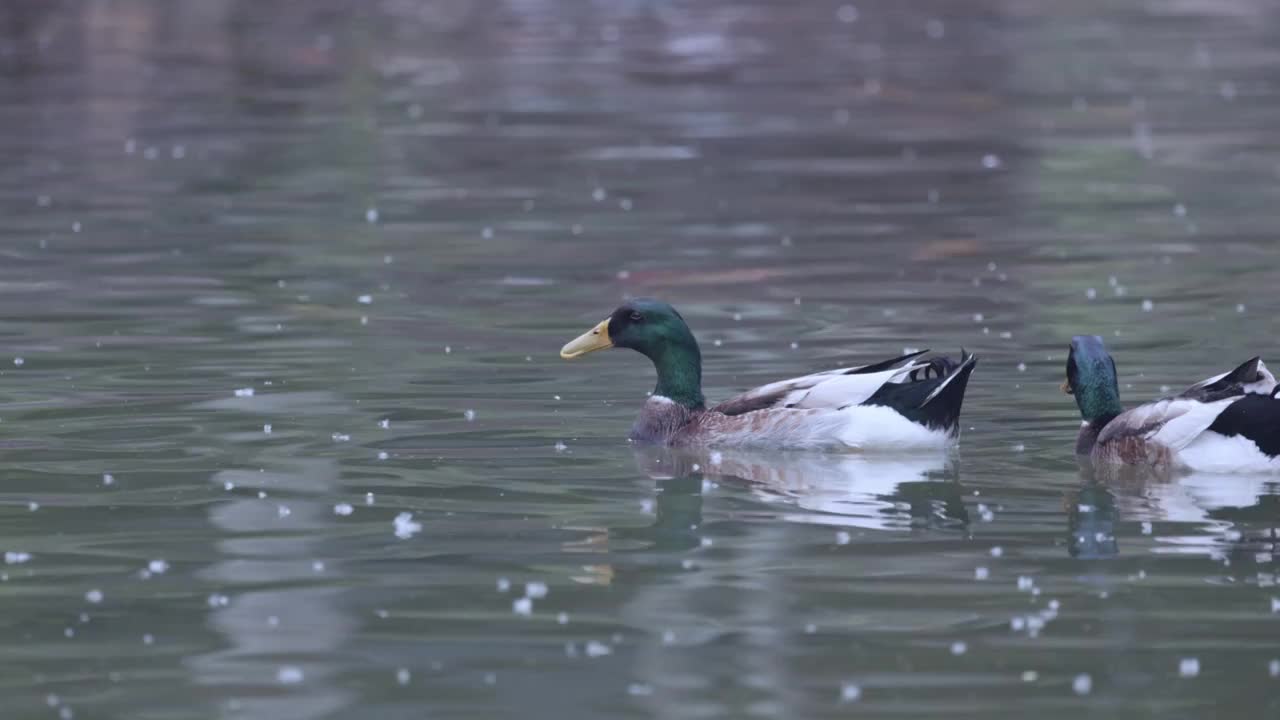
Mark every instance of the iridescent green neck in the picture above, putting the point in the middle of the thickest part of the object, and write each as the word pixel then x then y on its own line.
pixel 679 366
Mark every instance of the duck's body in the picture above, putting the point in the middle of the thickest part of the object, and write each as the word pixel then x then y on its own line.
pixel 1227 423
pixel 898 404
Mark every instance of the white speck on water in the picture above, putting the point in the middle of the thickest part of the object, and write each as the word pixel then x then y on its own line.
pixel 283 511
pixel 108 479
pixel 850 692
pixel 562 618
pixel 1022 367
pixel 266 429
pixel 368 498
pixel 599 194
pixel 384 423
pixel 371 215
pixel 668 637
pixel 93 596
pixel 1240 308
pixel 1273 668
pixel 1082 684
pixel 148 639
pixel 981 573
pixel 716 458
pixel 382 455
pixel 405 526
pixel 244 392
pixel 19 362
pixel 639 689
pixel 847 14
pixel 289 675
pixel 717 342
pixel 1091 293
pixel 1030 676
pixel 503 585
pixel 1148 306
pixel 1025 583
pixel 625 204
pixel 341 437
pixel 158 567
pixel 218 600
pixel 688 564
pixel 1165 388
pixel 1275 601
pixel 365 299
pixel 33 506
pixel 470 415
pixel 959 648
pixel 343 509
pixel 842 537
pixel 810 629
pixel 997 551
pixel 977 317
pixel 16 558
pixel 795 345
pixel 560 446
pixel 491 678
pixel 595 648
pixel 1146 527
pixel 990 162
pixel 75 227
pixel 737 317
pixel 1188 667
pixel 646 506
pixel 1019 447
pixel 535 590
pixel 522 606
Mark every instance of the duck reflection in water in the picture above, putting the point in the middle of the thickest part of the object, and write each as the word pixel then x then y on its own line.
pixel 1217 515
pixel 1091 522
pixel 859 491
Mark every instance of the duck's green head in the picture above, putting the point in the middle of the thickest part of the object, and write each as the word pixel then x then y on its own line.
pixel 654 329
pixel 1091 378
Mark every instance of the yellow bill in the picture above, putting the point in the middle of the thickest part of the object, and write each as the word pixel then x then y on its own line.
pixel 597 338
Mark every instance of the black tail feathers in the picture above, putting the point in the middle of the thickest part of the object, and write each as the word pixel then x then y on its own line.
pixel 935 394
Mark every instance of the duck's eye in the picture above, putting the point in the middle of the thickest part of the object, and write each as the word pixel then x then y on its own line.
pixel 637 317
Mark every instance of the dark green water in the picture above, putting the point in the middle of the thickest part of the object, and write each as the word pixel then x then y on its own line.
pixel 384 219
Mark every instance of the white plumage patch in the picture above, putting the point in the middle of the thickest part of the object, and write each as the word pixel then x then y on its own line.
pixel 1214 453
pixel 874 427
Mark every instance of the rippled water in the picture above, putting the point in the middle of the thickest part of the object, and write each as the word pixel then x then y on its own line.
pixel 283 433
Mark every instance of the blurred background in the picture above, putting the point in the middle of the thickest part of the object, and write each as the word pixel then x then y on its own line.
pixel 283 432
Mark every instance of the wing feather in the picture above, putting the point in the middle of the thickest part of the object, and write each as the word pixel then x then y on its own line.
pixel 830 388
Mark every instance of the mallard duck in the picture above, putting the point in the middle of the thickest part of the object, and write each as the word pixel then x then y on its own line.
pixel 898 404
pixel 1226 423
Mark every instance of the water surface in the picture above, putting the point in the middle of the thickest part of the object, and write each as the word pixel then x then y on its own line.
pixel 283 432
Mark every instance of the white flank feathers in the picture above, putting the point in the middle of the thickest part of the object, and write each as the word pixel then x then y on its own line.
pixel 1214 453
